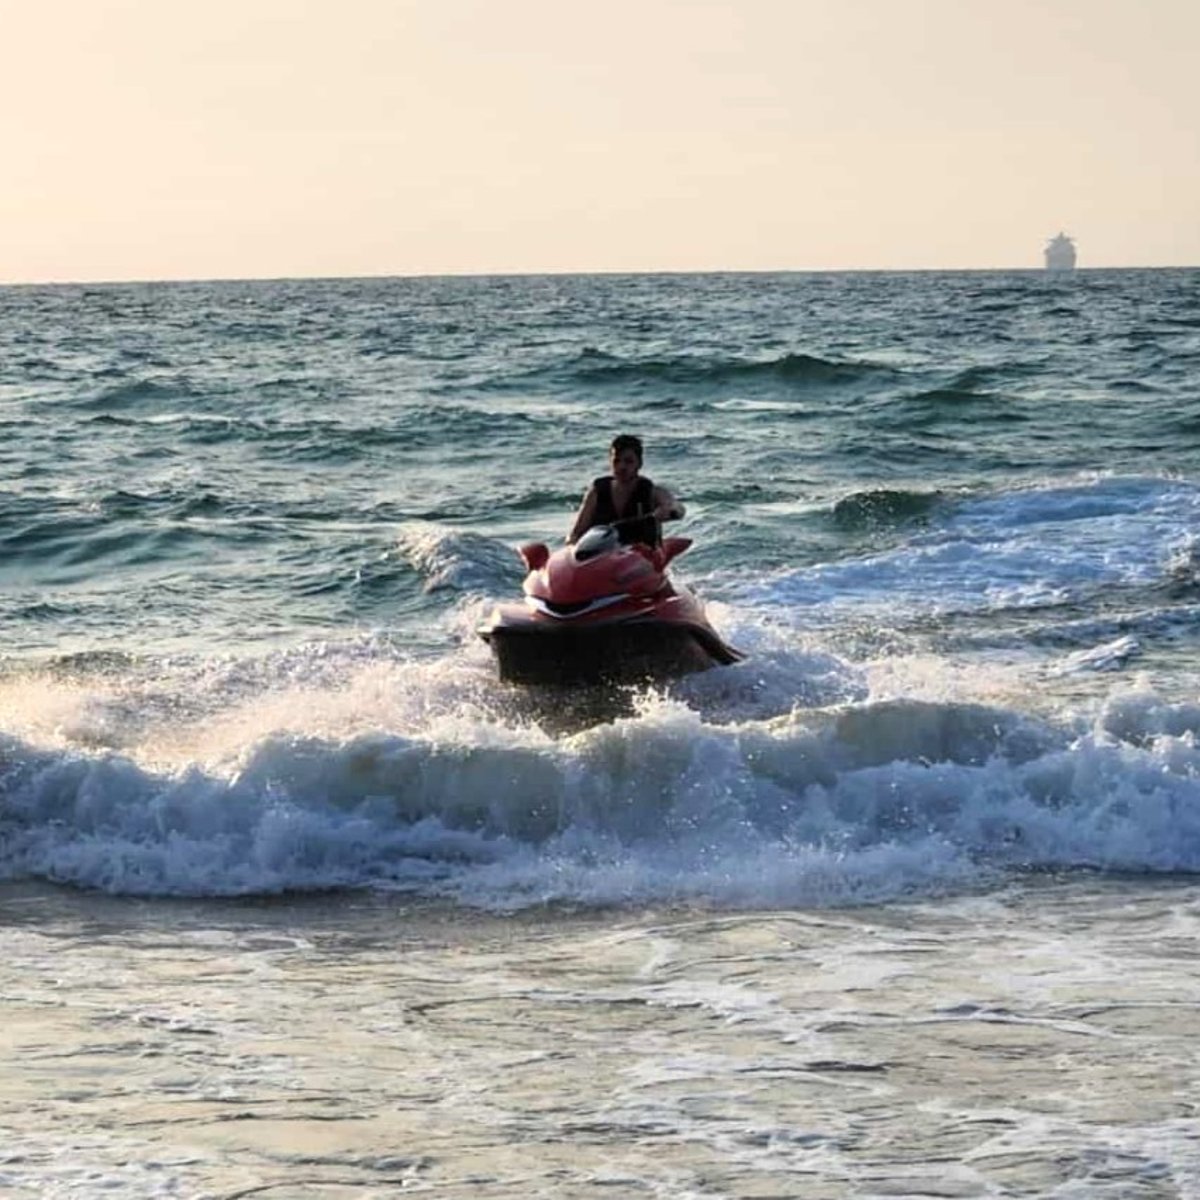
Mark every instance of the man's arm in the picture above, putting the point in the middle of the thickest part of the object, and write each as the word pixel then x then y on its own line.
pixel 584 517
pixel 666 507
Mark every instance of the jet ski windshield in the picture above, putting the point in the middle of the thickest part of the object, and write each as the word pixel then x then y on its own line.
pixel 600 539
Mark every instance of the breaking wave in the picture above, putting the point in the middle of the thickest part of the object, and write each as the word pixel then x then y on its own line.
pixel 838 805
pixel 883 507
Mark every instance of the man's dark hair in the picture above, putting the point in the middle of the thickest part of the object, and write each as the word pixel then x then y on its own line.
pixel 627 441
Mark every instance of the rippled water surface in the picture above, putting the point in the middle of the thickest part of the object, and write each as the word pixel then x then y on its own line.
pixel 358 1047
pixel 297 899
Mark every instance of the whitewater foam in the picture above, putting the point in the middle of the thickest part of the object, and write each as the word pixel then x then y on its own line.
pixel 377 784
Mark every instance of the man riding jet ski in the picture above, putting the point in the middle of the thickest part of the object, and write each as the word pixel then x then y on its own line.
pixel 601 609
pixel 625 494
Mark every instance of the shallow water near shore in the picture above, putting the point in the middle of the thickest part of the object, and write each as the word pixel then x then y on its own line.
pixel 296 898
pixel 1038 1040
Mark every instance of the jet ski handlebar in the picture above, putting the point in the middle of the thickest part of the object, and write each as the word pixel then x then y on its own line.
pixel 634 531
pixel 642 533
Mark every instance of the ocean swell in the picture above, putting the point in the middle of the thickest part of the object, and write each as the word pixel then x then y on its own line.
pixel 795 371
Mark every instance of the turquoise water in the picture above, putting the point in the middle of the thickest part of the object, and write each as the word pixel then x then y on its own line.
pixel 297 899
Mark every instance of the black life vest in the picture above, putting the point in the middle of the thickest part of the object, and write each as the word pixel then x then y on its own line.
pixel 639 504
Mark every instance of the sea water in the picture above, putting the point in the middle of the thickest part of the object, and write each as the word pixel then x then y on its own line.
pixel 296 899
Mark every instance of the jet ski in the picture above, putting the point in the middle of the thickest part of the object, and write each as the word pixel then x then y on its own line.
pixel 604 611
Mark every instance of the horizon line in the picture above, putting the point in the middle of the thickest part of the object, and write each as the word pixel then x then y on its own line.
pixel 575 274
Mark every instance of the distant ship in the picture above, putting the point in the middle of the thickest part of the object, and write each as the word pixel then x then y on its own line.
pixel 1060 254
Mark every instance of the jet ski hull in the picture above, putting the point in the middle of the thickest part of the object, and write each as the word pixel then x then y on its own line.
pixel 602 612
pixel 617 652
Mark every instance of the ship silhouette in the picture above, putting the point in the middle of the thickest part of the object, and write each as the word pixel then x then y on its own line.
pixel 1060 253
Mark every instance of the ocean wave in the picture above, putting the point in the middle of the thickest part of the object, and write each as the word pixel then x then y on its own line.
pixel 459 561
pixel 332 439
pixel 1136 387
pixel 72 545
pixel 34 369
pixel 882 507
pixel 1015 549
pixel 171 503
pixel 597 368
pixel 138 394
pixel 976 408
pixel 952 397
pixel 1110 656
pixel 977 380
pixel 922 412
pixel 1183 567
pixel 998 306
pixel 423 425
pixel 863 802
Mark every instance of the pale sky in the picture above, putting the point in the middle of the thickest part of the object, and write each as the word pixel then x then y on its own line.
pixel 161 139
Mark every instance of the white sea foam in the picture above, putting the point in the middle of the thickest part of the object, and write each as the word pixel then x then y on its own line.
pixel 1019 549
pixel 1108 657
pixel 456 560
pixel 378 783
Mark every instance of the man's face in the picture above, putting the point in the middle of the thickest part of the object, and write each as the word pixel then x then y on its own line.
pixel 625 465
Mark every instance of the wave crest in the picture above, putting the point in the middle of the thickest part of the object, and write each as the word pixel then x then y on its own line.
pixel 595 367
pixel 878 507
pixel 836 806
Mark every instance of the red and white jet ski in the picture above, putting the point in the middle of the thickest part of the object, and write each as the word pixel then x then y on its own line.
pixel 602 611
